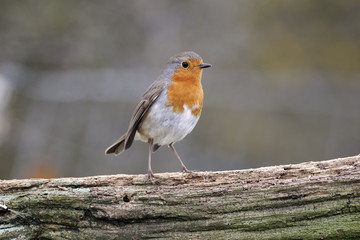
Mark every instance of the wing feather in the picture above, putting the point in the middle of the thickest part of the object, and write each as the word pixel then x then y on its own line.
pixel 142 108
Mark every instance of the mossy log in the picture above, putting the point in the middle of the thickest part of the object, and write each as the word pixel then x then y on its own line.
pixel 311 200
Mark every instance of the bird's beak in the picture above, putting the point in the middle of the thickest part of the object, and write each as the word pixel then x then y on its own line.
pixel 203 65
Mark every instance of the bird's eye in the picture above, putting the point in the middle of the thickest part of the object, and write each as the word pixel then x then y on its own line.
pixel 184 64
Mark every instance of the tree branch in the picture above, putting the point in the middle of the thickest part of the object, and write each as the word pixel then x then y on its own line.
pixel 311 200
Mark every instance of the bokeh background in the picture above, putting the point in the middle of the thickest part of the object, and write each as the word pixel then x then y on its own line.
pixel 284 87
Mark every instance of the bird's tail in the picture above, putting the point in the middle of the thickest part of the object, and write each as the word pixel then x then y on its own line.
pixel 118 146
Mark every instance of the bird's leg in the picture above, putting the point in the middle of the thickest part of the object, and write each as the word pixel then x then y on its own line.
pixel 184 168
pixel 150 172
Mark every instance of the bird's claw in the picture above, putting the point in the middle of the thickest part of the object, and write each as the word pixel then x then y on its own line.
pixel 150 177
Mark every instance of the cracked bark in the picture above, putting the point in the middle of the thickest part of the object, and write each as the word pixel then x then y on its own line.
pixel 311 200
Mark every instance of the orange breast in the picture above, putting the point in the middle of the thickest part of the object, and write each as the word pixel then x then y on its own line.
pixel 186 89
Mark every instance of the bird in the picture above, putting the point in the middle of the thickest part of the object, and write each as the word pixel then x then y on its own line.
pixel 169 109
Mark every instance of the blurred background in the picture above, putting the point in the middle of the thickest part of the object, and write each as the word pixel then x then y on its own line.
pixel 284 87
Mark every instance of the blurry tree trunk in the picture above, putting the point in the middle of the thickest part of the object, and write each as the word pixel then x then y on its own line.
pixel 311 200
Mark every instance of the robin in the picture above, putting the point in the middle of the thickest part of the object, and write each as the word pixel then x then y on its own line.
pixel 169 109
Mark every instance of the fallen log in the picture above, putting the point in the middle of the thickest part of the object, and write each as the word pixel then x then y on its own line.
pixel 311 200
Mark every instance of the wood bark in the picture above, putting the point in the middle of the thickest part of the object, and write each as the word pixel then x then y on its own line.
pixel 311 200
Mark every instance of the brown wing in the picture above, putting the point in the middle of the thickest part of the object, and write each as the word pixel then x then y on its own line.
pixel 148 99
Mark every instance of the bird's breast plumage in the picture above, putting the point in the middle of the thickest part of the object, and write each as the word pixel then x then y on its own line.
pixel 167 124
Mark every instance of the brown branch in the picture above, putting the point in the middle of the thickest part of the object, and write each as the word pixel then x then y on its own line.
pixel 311 200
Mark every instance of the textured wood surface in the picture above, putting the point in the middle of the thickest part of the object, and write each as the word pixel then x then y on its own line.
pixel 311 200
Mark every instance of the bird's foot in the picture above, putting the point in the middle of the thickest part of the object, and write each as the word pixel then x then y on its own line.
pixel 185 170
pixel 150 177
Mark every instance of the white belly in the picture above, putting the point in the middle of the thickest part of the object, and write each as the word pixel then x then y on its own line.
pixel 164 126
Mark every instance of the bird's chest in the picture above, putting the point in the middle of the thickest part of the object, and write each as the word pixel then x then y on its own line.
pixel 167 123
pixel 185 95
